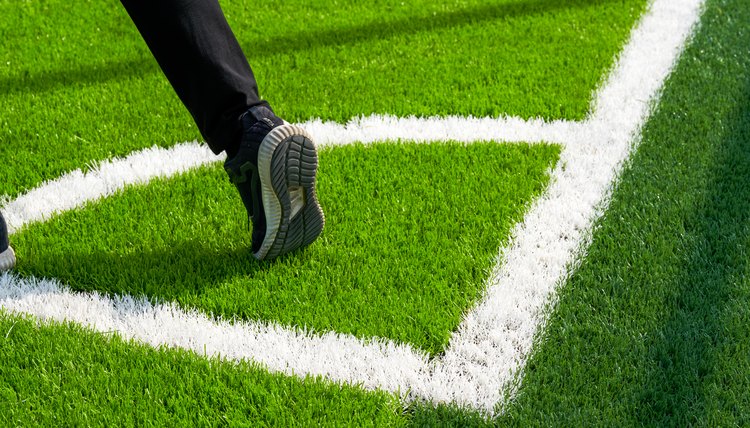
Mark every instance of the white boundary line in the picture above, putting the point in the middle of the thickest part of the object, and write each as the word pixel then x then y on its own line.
pixel 76 188
pixel 500 330
pixel 488 351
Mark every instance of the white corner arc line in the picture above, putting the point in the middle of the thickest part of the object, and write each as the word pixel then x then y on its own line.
pixel 491 345
pixel 75 189
pixel 279 348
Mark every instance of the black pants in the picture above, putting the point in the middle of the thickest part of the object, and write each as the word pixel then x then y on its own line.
pixel 3 234
pixel 194 46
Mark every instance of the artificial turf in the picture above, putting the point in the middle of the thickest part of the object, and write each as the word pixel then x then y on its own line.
pixel 412 233
pixel 77 83
pixel 652 329
pixel 62 375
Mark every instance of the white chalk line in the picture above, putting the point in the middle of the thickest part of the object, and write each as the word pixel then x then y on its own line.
pixel 75 189
pixel 500 330
pixel 484 360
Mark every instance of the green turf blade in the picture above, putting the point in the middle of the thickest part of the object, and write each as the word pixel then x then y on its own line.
pixel 653 327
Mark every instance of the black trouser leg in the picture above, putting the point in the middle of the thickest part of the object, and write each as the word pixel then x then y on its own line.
pixel 3 234
pixel 194 46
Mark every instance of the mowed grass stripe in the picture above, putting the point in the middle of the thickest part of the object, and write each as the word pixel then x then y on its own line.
pixel 660 307
pixel 412 233
pixel 78 85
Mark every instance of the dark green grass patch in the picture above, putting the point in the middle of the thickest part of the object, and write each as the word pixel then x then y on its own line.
pixel 412 231
pixel 654 328
pixel 77 83
pixel 66 376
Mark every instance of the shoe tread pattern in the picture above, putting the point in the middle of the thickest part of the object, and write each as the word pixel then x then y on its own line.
pixel 294 164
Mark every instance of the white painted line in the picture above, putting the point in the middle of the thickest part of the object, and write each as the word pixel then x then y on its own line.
pixel 375 364
pixel 491 345
pixel 464 129
pixel 75 189
pixel 493 342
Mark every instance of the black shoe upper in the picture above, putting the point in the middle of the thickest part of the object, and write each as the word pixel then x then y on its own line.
pixel 3 234
pixel 242 168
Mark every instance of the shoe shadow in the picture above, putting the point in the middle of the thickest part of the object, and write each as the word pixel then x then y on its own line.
pixel 176 274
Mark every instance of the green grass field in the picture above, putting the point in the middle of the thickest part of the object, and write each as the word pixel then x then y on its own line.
pixel 79 84
pixel 650 329
pixel 375 255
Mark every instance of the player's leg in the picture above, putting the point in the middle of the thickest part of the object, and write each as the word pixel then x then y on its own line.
pixel 197 51
pixel 272 164
pixel 7 257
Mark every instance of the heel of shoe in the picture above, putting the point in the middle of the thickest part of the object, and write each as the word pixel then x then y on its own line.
pixel 288 163
pixel 7 259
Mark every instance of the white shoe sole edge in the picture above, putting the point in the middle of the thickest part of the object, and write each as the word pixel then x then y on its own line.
pixel 7 259
pixel 283 203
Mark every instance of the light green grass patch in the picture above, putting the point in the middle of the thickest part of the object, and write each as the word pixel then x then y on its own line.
pixel 529 58
pixel 77 83
pixel 412 231
pixel 63 375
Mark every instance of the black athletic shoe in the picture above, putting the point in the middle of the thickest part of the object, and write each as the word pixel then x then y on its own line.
pixel 7 257
pixel 274 171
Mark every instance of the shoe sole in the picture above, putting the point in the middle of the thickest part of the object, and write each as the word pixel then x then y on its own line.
pixel 7 259
pixel 287 165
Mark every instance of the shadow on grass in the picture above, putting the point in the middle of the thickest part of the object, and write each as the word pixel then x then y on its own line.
pixel 652 328
pixel 301 41
pixel 703 304
pixel 165 275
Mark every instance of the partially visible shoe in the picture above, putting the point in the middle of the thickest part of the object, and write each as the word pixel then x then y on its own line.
pixel 274 172
pixel 7 256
